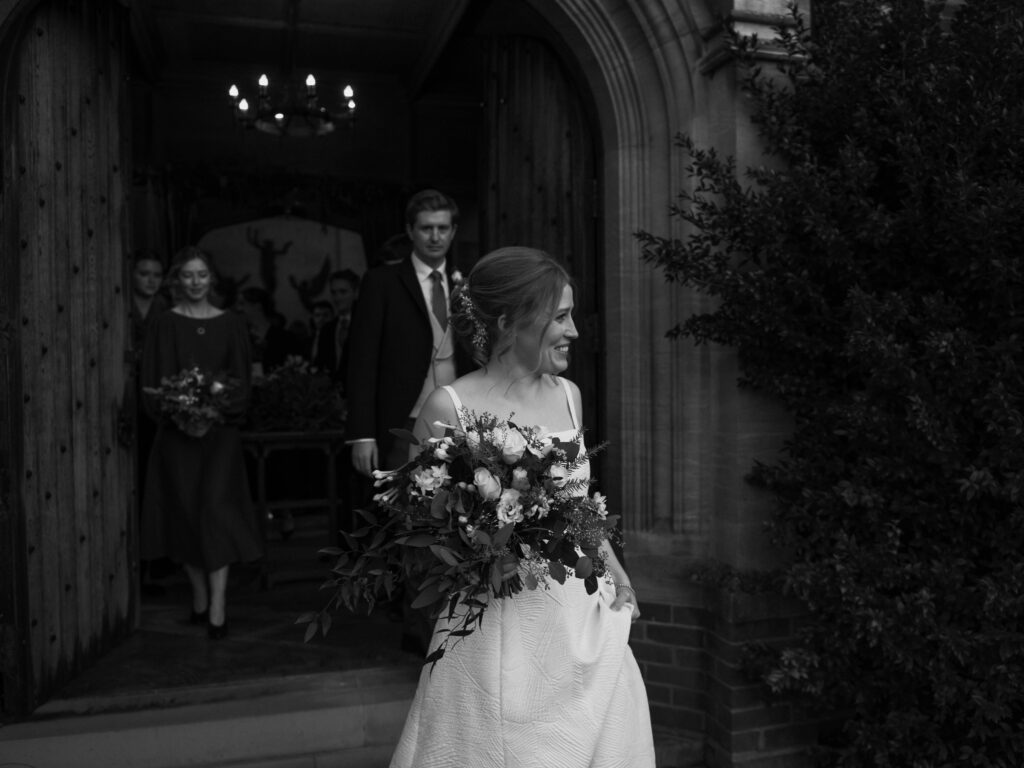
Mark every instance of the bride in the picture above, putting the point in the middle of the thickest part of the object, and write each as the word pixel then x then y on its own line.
pixel 548 679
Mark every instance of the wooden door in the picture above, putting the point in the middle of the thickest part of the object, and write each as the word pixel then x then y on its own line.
pixel 540 185
pixel 67 570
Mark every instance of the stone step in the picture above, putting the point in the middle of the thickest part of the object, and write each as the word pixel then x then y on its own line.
pixel 351 719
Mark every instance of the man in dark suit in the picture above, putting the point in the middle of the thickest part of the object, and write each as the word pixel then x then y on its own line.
pixel 330 339
pixel 400 349
pixel 400 345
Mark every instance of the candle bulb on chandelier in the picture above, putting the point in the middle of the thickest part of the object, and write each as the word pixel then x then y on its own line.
pixel 233 93
pixel 264 85
pixel 310 92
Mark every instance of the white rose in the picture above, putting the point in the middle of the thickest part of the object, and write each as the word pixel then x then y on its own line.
pixel 520 479
pixel 216 388
pixel 487 485
pixel 509 509
pixel 513 447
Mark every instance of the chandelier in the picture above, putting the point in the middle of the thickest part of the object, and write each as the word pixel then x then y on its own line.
pixel 298 114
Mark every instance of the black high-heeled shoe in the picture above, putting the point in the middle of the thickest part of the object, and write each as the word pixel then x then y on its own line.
pixel 215 632
pixel 199 617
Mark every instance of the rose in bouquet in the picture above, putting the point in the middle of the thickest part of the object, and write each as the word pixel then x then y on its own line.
pixel 479 514
pixel 193 399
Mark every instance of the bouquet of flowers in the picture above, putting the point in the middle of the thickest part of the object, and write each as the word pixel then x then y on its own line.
pixel 194 400
pixel 296 397
pixel 480 513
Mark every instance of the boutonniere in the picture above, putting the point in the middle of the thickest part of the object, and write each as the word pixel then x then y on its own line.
pixel 457 278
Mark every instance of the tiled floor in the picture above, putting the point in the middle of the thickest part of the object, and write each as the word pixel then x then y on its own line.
pixel 169 660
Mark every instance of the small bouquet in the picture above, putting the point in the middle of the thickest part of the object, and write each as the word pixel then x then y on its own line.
pixel 480 513
pixel 193 399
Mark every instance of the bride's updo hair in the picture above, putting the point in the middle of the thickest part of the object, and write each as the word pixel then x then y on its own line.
pixel 518 283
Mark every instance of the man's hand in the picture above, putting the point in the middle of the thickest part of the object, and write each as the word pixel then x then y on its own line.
pixel 364 457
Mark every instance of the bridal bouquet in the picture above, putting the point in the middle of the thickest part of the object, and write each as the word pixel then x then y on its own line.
pixel 479 513
pixel 193 399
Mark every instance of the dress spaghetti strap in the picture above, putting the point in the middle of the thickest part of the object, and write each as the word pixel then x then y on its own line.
pixel 568 397
pixel 456 402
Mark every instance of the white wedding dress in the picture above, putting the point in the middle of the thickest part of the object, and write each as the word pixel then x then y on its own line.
pixel 547 681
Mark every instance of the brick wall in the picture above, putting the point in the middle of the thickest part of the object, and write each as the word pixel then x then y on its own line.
pixel 691 658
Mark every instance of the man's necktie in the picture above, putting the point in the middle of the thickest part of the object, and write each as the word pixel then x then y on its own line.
pixel 437 302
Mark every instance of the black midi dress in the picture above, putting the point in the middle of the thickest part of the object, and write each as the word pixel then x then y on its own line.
pixel 197 507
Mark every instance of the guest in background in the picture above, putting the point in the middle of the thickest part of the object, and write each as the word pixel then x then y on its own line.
pixel 401 348
pixel 147 303
pixel 321 349
pixel 344 288
pixel 271 342
pixel 197 509
pixel 147 299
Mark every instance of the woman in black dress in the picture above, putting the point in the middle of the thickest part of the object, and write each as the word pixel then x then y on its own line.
pixel 197 509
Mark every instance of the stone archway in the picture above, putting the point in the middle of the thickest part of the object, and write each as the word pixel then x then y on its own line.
pixel 683 435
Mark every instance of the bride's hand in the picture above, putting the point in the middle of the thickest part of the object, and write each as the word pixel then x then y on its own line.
pixel 624 595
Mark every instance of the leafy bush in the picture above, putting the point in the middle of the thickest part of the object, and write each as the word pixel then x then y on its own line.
pixel 873 282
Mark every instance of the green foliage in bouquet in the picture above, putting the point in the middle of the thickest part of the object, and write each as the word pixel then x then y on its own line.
pixel 296 398
pixel 479 514
pixel 872 281
pixel 193 399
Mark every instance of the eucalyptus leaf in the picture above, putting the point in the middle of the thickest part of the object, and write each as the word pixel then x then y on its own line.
pixel 425 598
pixel 446 554
pixel 503 534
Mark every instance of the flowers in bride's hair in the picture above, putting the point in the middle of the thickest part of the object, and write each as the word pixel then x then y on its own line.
pixel 486 509
pixel 487 485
